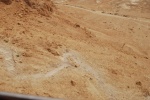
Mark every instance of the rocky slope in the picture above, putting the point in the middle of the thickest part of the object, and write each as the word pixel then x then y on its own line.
pixel 75 52
pixel 131 8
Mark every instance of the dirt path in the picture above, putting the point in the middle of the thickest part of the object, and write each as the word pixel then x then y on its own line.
pixel 109 90
pixel 7 54
pixel 69 59
pixel 64 64
pixel 103 35
pixel 109 15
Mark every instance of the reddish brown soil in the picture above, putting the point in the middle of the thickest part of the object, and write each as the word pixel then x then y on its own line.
pixel 75 50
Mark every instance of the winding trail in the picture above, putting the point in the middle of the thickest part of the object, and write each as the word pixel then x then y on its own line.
pixel 108 89
pixel 109 15
pixel 67 60
pixel 64 64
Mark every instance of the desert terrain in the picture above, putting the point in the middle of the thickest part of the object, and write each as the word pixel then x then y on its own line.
pixel 76 49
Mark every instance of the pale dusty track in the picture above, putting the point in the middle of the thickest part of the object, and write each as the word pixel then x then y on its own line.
pixel 109 15
pixel 109 90
pixel 67 60
pixel 64 64
pixel 7 54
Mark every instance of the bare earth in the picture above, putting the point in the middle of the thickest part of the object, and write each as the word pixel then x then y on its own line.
pixel 76 49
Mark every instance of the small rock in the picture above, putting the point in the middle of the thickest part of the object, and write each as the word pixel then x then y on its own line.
pixel 20 61
pixel 17 55
pixel 77 25
pixel 75 66
pixel 139 83
pixel 146 57
pixel 72 83
pixel 19 23
pixel 6 41
pixel 54 52
pixel 91 79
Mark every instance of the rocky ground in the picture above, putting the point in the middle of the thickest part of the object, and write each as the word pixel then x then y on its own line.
pixel 76 49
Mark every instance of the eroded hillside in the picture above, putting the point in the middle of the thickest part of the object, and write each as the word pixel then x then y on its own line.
pixel 130 8
pixel 75 51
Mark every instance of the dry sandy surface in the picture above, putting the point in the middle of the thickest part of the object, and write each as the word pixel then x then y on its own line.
pixel 76 49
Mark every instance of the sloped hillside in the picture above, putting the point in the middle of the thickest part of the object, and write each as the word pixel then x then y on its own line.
pixel 44 7
pixel 131 8
pixel 73 50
